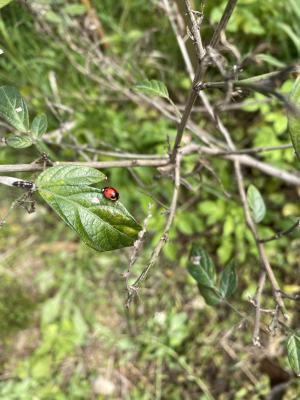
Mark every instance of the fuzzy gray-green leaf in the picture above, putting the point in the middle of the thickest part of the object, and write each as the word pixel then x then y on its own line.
pixel 19 142
pixel 102 224
pixel 152 88
pixel 13 108
pixel 39 125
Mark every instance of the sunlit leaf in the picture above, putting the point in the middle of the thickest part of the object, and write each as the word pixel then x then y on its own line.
pixel 13 108
pixel 294 119
pixel 102 224
pixel 152 88
pixel 293 348
pixel 39 125
pixel 228 283
pixel 4 3
pixel 18 142
pixel 256 203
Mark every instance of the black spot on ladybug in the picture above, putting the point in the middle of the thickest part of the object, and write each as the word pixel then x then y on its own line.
pixel 110 193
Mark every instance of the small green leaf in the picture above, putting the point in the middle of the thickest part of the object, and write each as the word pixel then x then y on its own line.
pixel 201 267
pixel 3 3
pixel 102 224
pixel 294 119
pixel 256 203
pixel 228 283
pixel 13 108
pixel 211 295
pixel 39 125
pixel 75 10
pixel 19 142
pixel 152 88
pixel 69 175
pixel 293 348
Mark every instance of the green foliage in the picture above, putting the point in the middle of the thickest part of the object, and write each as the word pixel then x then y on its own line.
pixel 168 344
pixel 19 142
pixel 100 223
pixel 75 10
pixel 152 88
pixel 256 203
pixel 228 282
pixel 39 125
pixel 3 3
pixel 202 269
pixel 294 119
pixel 13 108
pixel 16 306
pixel 293 348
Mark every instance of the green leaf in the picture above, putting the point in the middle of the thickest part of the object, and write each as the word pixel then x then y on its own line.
pixel 228 283
pixel 293 348
pixel 13 108
pixel 201 267
pixel 19 142
pixel 294 119
pixel 211 295
pixel 152 88
pixel 256 203
pixel 39 125
pixel 3 3
pixel 75 9
pixel 102 224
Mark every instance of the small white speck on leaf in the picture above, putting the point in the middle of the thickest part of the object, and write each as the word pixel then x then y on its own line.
pixel 196 260
pixel 95 200
pixel 19 109
pixel 1 51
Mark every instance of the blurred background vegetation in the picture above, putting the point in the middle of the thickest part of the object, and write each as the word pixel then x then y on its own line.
pixel 64 330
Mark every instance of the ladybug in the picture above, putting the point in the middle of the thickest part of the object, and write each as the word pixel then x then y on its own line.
pixel 110 193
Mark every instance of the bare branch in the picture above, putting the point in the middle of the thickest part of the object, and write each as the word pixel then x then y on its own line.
pixel 164 238
pixel 223 22
pixel 195 31
pixel 257 302
pixel 93 164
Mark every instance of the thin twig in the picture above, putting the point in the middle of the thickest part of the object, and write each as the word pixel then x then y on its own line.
pixel 223 23
pixel 257 302
pixel 92 164
pixel 164 238
pixel 278 235
pixel 261 249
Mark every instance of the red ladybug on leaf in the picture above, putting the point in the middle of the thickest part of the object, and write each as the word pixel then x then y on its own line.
pixel 110 193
